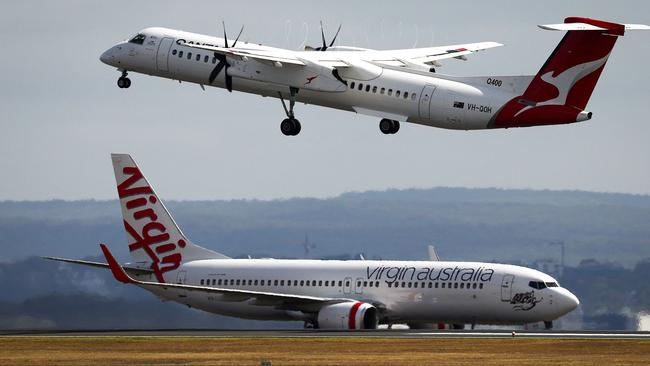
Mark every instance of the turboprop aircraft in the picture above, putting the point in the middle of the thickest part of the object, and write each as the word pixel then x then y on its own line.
pixel 394 85
pixel 330 294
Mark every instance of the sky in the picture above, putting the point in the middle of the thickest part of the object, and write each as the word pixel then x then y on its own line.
pixel 61 113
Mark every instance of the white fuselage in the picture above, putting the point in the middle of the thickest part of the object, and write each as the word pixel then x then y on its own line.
pixel 405 291
pixel 411 96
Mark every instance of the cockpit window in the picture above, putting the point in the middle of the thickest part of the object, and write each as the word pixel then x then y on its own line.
pixel 539 284
pixel 138 39
pixel 552 284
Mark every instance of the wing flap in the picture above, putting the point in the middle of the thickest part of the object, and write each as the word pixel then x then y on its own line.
pixel 430 54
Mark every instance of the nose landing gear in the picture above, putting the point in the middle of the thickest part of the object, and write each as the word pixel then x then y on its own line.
pixel 290 126
pixel 123 82
pixel 388 126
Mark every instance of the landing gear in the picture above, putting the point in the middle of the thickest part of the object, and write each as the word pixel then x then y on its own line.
pixel 290 126
pixel 123 82
pixel 388 126
pixel 548 325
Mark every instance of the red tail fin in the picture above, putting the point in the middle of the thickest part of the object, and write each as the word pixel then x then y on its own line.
pixel 561 89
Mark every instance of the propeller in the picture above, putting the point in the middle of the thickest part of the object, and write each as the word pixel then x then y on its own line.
pixel 223 62
pixel 325 46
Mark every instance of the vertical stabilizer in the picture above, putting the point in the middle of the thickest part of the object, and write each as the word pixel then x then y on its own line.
pixel 154 238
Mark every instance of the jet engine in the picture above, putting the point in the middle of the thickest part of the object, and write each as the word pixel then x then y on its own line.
pixel 348 315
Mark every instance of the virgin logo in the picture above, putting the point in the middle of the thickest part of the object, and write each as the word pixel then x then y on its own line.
pixel 153 238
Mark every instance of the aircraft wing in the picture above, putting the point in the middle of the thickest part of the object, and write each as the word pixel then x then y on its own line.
pixel 134 270
pixel 427 56
pixel 255 54
pixel 284 301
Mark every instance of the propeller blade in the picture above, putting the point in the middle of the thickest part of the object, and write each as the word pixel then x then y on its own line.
pixel 225 38
pixel 322 34
pixel 217 69
pixel 336 35
pixel 237 39
pixel 228 81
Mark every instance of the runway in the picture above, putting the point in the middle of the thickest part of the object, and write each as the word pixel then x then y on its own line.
pixel 293 333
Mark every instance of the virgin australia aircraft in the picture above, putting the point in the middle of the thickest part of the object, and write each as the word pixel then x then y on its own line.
pixel 331 294
pixel 394 85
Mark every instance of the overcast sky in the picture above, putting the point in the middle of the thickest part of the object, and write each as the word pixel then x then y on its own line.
pixel 61 114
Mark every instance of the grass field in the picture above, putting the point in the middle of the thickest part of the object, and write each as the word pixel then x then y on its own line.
pixel 105 351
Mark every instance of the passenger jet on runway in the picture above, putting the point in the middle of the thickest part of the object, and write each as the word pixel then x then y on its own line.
pixel 394 85
pixel 331 294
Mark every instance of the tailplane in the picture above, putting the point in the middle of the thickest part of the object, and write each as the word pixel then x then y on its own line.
pixel 561 89
pixel 155 240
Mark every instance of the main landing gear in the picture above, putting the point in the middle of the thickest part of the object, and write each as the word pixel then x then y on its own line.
pixel 123 82
pixel 388 126
pixel 290 126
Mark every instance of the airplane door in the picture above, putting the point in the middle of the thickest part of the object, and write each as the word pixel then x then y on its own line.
pixel 347 285
pixel 425 100
pixel 506 287
pixel 180 279
pixel 162 59
pixel 358 286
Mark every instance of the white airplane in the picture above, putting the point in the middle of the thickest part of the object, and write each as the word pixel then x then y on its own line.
pixel 394 85
pixel 328 294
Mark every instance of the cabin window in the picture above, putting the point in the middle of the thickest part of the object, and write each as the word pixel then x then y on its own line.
pixel 376 283
pixel 180 53
pixel 474 285
pixel 189 55
pixel 436 285
pixel 365 283
pixel 281 282
pixel 340 283
pixel 198 57
pixel 174 52
pixel 275 283
pixel 413 96
pixel 232 282
pixel 396 284
pixel 406 95
pixel 320 283
pixel 410 284
pixel 206 58
pixel 551 284
pixel 404 284
pixel 347 283
pixel 390 284
pixel 367 88
pixel 397 93
pixel 415 284
pixel 390 92
pixel 214 60
pixel 214 282
pixel 480 286
pixel 383 90
pixel 295 282
pixel 327 283
pixel 371 284
pixel 455 284
pixel 352 85
pixel 442 285
pixel 462 285
pixel 374 89
pixel 201 282
pixel 237 283
pixel 261 282
pixel 360 86
pixel 219 282
pixel 138 39
pixel 302 282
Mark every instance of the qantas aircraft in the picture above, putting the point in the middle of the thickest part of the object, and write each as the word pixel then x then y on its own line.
pixel 394 85
pixel 328 294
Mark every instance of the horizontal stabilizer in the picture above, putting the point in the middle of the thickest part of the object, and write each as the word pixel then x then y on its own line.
pixel 588 24
pixel 135 271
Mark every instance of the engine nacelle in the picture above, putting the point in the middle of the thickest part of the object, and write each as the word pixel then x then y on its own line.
pixel 348 315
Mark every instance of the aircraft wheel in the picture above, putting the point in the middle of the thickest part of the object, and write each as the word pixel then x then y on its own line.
pixel 123 82
pixel 290 127
pixel 395 127
pixel 386 126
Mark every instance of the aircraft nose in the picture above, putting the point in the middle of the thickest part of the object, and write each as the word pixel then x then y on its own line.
pixel 107 56
pixel 569 301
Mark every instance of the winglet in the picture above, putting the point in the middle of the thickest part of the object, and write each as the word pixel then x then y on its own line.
pixel 118 271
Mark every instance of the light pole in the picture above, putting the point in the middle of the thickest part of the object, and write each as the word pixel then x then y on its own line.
pixel 561 245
